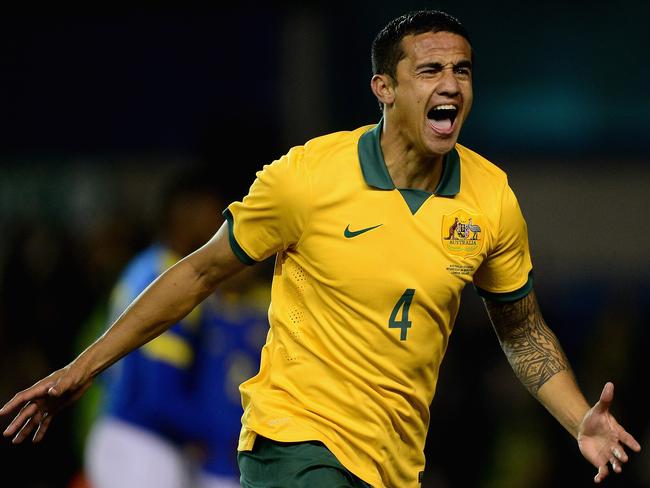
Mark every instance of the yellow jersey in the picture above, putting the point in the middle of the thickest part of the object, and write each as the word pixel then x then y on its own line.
pixel 366 288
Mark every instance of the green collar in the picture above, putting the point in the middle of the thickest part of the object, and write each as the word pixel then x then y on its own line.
pixel 376 173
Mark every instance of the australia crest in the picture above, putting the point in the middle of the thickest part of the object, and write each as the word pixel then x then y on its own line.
pixel 462 233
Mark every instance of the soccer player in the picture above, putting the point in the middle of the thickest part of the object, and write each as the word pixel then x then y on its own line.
pixel 228 354
pixel 153 407
pixel 366 287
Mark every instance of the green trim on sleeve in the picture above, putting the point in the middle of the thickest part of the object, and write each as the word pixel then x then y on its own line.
pixel 234 245
pixel 510 296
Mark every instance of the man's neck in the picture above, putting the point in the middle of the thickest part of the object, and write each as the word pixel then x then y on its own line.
pixel 407 166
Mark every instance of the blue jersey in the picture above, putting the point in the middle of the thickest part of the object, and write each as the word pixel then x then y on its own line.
pixel 234 332
pixel 184 384
pixel 153 386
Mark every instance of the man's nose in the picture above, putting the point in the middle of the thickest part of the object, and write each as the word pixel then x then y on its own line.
pixel 448 84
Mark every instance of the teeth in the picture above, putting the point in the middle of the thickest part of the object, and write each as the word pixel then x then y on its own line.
pixel 444 107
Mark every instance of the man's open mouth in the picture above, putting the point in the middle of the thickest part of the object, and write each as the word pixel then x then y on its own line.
pixel 442 117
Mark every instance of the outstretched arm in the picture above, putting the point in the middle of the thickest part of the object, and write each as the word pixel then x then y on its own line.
pixel 536 356
pixel 167 300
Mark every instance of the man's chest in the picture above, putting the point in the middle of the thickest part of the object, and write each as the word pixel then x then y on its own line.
pixel 375 237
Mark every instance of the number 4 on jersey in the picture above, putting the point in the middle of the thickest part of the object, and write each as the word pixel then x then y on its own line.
pixel 404 324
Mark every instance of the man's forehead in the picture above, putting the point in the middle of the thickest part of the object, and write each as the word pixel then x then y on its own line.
pixel 436 44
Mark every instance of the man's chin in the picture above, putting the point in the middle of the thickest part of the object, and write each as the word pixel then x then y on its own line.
pixel 442 146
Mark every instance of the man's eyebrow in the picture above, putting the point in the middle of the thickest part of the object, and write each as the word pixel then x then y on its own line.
pixel 465 63
pixel 432 64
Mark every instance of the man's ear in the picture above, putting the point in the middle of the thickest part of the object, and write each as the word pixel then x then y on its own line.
pixel 383 86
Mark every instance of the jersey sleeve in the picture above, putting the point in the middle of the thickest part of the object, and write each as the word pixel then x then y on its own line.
pixel 271 218
pixel 506 273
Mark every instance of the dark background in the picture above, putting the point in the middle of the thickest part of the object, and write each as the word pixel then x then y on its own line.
pixel 99 108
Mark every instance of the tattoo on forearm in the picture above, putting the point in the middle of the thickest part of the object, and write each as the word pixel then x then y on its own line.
pixel 532 349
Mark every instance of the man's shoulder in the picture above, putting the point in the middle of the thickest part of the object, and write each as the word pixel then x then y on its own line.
pixel 473 162
pixel 337 139
pixel 324 151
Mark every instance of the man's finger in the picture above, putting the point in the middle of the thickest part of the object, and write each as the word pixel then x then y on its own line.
pixel 606 398
pixel 27 429
pixel 629 440
pixel 12 404
pixel 620 454
pixel 25 396
pixel 602 473
pixel 25 413
pixel 42 428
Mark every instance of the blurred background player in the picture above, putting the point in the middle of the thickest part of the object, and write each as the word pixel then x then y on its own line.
pixel 233 333
pixel 160 418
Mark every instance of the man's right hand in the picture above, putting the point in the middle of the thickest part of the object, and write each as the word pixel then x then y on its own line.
pixel 36 406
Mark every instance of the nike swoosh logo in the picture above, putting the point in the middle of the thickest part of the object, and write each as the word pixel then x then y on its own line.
pixel 354 233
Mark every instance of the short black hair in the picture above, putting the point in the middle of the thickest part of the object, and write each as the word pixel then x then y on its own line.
pixel 387 50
